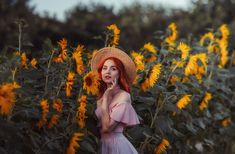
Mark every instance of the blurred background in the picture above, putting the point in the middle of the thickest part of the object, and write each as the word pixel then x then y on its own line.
pixel 140 21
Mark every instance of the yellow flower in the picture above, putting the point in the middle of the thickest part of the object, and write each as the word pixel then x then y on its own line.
pixel 58 59
pixel 63 44
pixel 152 77
pixel 150 47
pixel 73 145
pixel 205 101
pixel 212 48
pixel 145 84
pixel 172 37
pixel 7 97
pixel 224 32
pixel 226 122
pixel 45 109
pixel 136 79
pixel 184 48
pixel 17 53
pixel 185 79
pixel 90 55
pixel 79 63
pixel 138 59
pixel 91 83
pixel 57 105
pixel 223 44
pixel 206 36
pixel 81 111
pixel 63 53
pixel 69 83
pixel 183 102
pixel 192 67
pixel 33 63
pixel 80 48
pixel 24 60
pixel 162 146
pixel 116 33
pixel 54 120
pixel 174 79
pixel 179 63
pixel 151 59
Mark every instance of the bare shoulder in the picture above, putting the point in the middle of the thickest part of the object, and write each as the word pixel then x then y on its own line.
pixel 124 96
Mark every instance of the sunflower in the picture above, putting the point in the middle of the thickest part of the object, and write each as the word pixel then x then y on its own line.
pixel 192 67
pixel 33 63
pixel 57 105
pixel 7 97
pixel 152 77
pixel 150 47
pixel 53 121
pixel 207 36
pixel 224 32
pixel 116 33
pixel 81 111
pixel 183 102
pixel 162 146
pixel 184 48
pixel 77 55
pixel 174 79
pixel 138 59
pixel 73 145
pixel 172 37
pixel 69 83
pixel 24 60
pixel 90 55
pixel 91 82
pixel 45 109
pixel 152 58
pixel 205 101
pixel 226 122
pixel 179 64
pixel 223 44
pixel 63 52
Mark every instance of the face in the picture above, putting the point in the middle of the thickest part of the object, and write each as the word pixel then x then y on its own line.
pixel 109 71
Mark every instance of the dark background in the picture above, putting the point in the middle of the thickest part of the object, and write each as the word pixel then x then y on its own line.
pixel 138 24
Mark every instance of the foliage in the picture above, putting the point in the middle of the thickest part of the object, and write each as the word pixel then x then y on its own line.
pixel 83 24
pixel 54 114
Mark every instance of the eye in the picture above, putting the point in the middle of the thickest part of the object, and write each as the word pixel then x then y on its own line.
pixel 114 69
pixel 104 68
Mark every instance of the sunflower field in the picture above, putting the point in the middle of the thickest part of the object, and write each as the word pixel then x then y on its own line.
pixel 184 95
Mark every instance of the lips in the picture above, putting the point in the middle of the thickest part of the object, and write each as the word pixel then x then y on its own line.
pixel 107 77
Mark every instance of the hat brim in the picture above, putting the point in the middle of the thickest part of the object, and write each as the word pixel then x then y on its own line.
pixel 107 52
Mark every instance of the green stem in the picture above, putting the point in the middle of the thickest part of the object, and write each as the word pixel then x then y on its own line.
pixel 13 74
pixel 47 72
pixel 20 35
pixel 173 70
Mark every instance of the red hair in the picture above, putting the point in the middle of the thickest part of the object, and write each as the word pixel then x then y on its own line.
pixel 122 81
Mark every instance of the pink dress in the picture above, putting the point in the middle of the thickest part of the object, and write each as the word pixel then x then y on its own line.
pixel 115 142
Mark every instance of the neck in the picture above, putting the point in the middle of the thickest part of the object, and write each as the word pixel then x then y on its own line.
pixel 115 90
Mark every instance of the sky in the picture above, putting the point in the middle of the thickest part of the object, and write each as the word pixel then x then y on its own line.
pixel 59 7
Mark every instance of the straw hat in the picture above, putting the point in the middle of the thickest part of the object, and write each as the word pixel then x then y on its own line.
pixel 107 52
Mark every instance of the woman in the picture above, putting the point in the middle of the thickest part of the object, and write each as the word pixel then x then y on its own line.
pixel 114 110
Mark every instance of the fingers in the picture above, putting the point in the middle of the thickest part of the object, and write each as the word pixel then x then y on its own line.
pixel 114 82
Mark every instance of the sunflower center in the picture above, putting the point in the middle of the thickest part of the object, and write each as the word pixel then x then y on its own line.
pixel 88 81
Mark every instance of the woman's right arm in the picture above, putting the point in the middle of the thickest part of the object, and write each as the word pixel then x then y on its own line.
pixel 107 123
